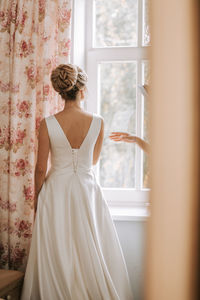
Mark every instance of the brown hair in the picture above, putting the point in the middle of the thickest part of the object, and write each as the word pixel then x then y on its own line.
pixel 67 80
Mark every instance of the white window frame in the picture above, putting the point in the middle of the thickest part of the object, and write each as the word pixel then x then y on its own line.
pixel 124 203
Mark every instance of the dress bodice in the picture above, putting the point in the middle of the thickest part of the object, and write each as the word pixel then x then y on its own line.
pixel 63 156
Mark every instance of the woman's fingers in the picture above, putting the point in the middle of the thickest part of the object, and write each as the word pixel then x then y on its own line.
pixel 123 137
pixel 119 133
pixel 118 136
pixel 116 139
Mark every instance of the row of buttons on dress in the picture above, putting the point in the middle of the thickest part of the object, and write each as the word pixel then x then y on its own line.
pixel 75 159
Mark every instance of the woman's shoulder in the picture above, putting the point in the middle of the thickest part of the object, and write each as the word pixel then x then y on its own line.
pixel 98 116
pixel 48 118
pixel 93 115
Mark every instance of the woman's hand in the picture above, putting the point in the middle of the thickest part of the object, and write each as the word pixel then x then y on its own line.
pixel 123 137
pixel 129 138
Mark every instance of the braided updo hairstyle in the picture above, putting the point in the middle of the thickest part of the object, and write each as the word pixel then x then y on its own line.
pixel 67 80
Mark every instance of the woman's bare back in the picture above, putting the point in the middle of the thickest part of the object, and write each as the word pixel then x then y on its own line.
pixel 75 124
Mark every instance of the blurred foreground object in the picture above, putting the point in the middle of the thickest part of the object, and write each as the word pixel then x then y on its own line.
pixel 172 250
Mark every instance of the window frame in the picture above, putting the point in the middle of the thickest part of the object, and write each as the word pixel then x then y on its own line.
pixel 84 54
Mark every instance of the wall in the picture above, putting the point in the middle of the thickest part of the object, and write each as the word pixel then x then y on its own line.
pixel 132 235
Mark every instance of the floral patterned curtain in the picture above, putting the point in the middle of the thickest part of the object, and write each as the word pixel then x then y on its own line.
pixel 34 38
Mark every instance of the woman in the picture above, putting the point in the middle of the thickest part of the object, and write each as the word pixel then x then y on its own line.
pixel 75 252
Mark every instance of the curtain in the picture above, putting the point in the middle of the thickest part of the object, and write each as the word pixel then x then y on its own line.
pixel 34 38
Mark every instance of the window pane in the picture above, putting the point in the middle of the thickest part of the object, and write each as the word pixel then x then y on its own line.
pixel 146 23
pixel 146 137
pixel 117 92
pixel 116 23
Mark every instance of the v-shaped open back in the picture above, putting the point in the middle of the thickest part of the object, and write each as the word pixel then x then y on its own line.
pixel 88 132
pixel 64 157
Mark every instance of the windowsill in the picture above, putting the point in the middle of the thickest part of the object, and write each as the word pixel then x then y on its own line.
pixel 129 213
pixel 129 204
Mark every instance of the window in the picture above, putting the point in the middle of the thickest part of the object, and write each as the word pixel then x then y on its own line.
pixel 115 23
pixel 116 41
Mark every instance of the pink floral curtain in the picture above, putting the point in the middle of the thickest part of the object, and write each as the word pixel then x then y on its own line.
pixel 34 38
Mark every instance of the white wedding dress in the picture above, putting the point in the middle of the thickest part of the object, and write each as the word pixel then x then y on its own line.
pixel 75 252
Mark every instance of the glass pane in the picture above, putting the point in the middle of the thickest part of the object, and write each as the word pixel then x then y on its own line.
pixel 146 136
pixel 146 23
pixel 116 23
pixel 117 91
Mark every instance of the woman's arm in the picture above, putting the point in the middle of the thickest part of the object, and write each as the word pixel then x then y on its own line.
pixel 142 144
pixel 129 138
pixel 99 143
pixel 42 158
